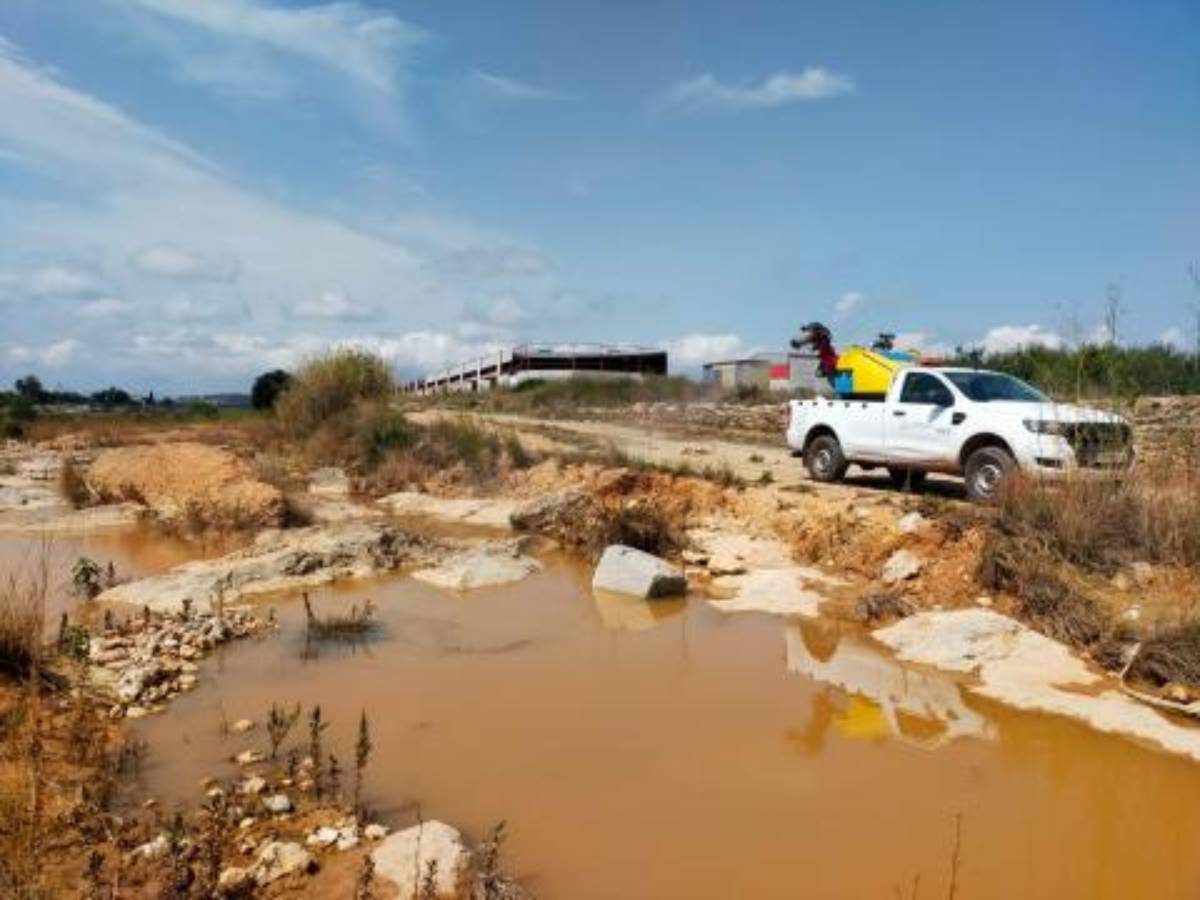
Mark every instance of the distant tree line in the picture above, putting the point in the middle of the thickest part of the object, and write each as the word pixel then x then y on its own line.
pixel 1094 370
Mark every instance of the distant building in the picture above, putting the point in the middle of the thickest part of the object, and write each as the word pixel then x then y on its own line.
pixel 789 372
pixel 527 362
pixel 735 374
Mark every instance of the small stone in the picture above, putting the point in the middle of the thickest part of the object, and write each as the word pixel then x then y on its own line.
pixel 1177 693
pixel 1122 582
pixel 150 803
pixel 375 832
pixel 214 793
pixel 277 804
pixel 910 523
pixel 155 849
pixel 347 841
pixel 901 566
pixel 323 837
pixel 249 757
pixel 1143 573
pixel 247 823
pixel 983 600
pixel 234 881
pixel 253 786
pixel 241 726
pixel 136 712
pixel 280 858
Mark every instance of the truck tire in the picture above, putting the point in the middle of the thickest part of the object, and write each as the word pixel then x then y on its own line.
pixel 907 479
pixel 985 472
pixel 824 459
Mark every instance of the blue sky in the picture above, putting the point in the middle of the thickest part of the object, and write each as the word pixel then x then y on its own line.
pixel 192 192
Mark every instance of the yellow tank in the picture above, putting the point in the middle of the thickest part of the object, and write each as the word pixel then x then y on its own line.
pixel 863 371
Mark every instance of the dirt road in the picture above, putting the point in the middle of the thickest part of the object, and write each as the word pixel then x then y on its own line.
pixel 754 463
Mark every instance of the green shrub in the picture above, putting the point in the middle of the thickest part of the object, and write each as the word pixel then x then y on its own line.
pixel 268 387
pixel 330 386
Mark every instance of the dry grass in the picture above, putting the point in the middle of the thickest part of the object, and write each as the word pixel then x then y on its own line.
pixel 1102 524
pixel 73 486
pixel 22 618
pixel 1053 548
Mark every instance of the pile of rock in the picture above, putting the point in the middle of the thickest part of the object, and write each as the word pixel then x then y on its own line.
pixel 1166 430
pixel 150 659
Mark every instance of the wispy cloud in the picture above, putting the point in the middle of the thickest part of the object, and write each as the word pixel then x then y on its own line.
pixel 334 306
pixel 706 92
pixel 848 302
pixel 166 261
pixel 356 40
pixel 511 90
pixel 1003 338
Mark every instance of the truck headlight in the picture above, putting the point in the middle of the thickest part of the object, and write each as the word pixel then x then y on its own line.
pixel 1045 426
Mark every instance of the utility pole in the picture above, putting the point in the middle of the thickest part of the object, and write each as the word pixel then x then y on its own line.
pixel 1194 275
pixel 1112 310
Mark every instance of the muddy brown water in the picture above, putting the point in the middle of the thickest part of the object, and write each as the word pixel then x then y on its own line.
pixel 671 751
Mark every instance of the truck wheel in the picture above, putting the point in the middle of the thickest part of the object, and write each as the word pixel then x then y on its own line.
pixel 907 479
pixel 824 459
pixel 986 470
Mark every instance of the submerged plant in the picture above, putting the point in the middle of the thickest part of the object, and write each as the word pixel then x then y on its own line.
pixel 362 755
pixel 279 723
pixel 86 578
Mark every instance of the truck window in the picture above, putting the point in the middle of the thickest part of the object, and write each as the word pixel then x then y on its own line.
pixel 926 389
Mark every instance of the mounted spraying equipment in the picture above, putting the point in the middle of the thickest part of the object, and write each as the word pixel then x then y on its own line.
pixel 859 372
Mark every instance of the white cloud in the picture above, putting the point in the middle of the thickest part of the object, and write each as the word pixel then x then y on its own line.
pixel 123 181
pixel 60 281
pixel 18 355
pixel 1012 337
pixel 59 353
pixel 1174 337
pixel 185 308
pixel 346 36
pixel 333 306
pixel 848 302
pixel 105 308
pixel 511 90
pixel 692 350
pixel 708 92
pixel 165 261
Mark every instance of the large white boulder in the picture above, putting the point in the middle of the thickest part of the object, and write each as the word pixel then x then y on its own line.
pixel 404 857
pixel 627 570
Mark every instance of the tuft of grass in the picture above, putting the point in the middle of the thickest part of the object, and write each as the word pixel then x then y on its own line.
pixel 327 387
pixel 353 625
pixel 73 486
pixel 1170 656
pixel 22 619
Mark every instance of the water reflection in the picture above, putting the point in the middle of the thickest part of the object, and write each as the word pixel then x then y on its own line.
pixel 621 612
pixel 874 697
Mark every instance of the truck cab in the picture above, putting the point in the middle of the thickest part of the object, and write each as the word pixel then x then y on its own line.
pixel 975 423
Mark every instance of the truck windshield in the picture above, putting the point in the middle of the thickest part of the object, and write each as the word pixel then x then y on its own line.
pixel 984 387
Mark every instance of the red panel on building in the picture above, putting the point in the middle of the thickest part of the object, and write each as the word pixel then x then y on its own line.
pixel 781 372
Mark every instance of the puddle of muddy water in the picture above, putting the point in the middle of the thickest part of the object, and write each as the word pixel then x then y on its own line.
pixel 133 552
pixel 675 752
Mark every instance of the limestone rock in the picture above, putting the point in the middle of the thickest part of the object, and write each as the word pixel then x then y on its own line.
pixel 280 858
pixel 626 570
pixel 277 804
pixel 403 858
pixel 901 566
pixel 490 564
pixel 277 561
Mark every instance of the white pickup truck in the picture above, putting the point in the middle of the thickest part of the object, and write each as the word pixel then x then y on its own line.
pixel 968 422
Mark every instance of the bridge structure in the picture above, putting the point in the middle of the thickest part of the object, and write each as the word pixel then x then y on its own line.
pixel 525 362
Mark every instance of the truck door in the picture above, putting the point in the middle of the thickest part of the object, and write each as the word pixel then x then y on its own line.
pixel 919 422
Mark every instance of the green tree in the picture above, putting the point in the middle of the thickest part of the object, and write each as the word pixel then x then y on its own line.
pixel 267 388
pixel 30 387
